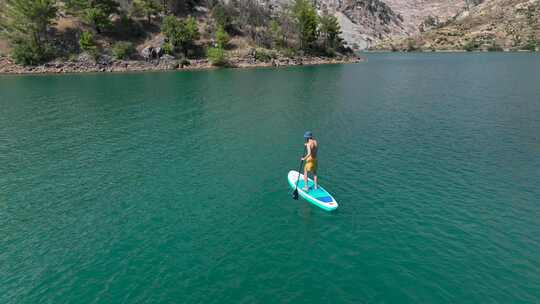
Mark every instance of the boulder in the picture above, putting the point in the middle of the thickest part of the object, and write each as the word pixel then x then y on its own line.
pixel 105 60
pixel 86 58
pixel 146 52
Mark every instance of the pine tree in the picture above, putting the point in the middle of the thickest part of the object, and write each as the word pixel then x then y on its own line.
pixel 222 38
pixel 94 12
pixel 26 24
pixel 330 31
pixel 307 23
pixel 146 8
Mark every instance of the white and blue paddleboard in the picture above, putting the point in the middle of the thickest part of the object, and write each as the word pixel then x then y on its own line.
pixel 318 197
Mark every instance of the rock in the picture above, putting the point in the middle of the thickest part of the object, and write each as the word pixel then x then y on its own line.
pixel 167 57
pixel 86 58
pixel 158 52
pixel 146 52
pixel 105 60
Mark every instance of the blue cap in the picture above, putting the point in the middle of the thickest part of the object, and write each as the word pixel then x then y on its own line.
pixel 308 135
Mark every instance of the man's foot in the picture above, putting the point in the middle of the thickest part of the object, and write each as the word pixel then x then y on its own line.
pixel 305 189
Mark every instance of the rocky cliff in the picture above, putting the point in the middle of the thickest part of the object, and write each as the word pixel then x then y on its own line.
pixel 493 25
pixel 368 22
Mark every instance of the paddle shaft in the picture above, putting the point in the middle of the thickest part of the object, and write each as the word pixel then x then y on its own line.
pixel 295 192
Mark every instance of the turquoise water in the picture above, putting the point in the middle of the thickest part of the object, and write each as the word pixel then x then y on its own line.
pixel 171 187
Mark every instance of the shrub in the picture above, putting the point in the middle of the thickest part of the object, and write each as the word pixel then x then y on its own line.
pixel 411 45
pixel 168 48
pixel 494 47
pixel 530 45
pixel 264 55
pixel 86 42
pixel 217 56
pixel 471 45
pixel 289 52
pixel 28 53
pixel 123 50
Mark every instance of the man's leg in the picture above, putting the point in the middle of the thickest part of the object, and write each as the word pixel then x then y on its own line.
pixel 315 179
pixel 306 185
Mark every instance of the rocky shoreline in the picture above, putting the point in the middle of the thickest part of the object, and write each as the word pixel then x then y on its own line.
pixel 86 64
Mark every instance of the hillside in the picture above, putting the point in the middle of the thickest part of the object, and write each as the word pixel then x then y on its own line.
pixel 110 35
pixel 490 26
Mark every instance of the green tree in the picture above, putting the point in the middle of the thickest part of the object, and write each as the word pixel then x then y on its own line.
pixel 94 12
pixel 26 24
pixel 123 50
pixel 217 56
pixel 222 16
pixel 277 35
pixel 222 38
pixel 330 31
pixel 307 23
pixel 146 8
pixel 180 33
pixel 87 43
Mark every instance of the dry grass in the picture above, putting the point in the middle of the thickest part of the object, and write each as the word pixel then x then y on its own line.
pixel 66 23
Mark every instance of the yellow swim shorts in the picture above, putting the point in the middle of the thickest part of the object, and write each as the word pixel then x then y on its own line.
pixel 311 165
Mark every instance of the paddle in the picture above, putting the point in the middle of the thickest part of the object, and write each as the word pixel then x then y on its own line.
pixel 295 192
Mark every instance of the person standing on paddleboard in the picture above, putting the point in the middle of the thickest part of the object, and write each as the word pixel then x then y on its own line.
pixel 310 159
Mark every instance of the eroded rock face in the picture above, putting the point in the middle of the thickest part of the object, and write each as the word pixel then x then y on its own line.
pixel 364 22
pixel 368 22
pixel 416 12
pixel 491 25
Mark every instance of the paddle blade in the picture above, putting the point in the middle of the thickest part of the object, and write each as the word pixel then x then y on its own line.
pixel 295 194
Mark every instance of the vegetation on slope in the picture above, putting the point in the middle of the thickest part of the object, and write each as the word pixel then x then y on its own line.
pixel 40 30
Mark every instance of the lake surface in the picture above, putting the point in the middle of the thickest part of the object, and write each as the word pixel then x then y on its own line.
pixel 171 187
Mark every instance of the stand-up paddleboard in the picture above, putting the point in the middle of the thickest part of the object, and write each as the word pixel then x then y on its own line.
pixel 320 197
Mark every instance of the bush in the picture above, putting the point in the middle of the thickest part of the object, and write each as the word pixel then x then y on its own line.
pixel 471 45
pixel 28 53
pixel 289 52
pixel 168 48
pixel 217 56
pixel 264 55
pixel 123 50
pixel 411 45
pixel 86 42
pixel 530 45
pixel 494 47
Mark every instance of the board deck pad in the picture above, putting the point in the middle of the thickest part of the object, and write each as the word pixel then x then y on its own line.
pixel 319 197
